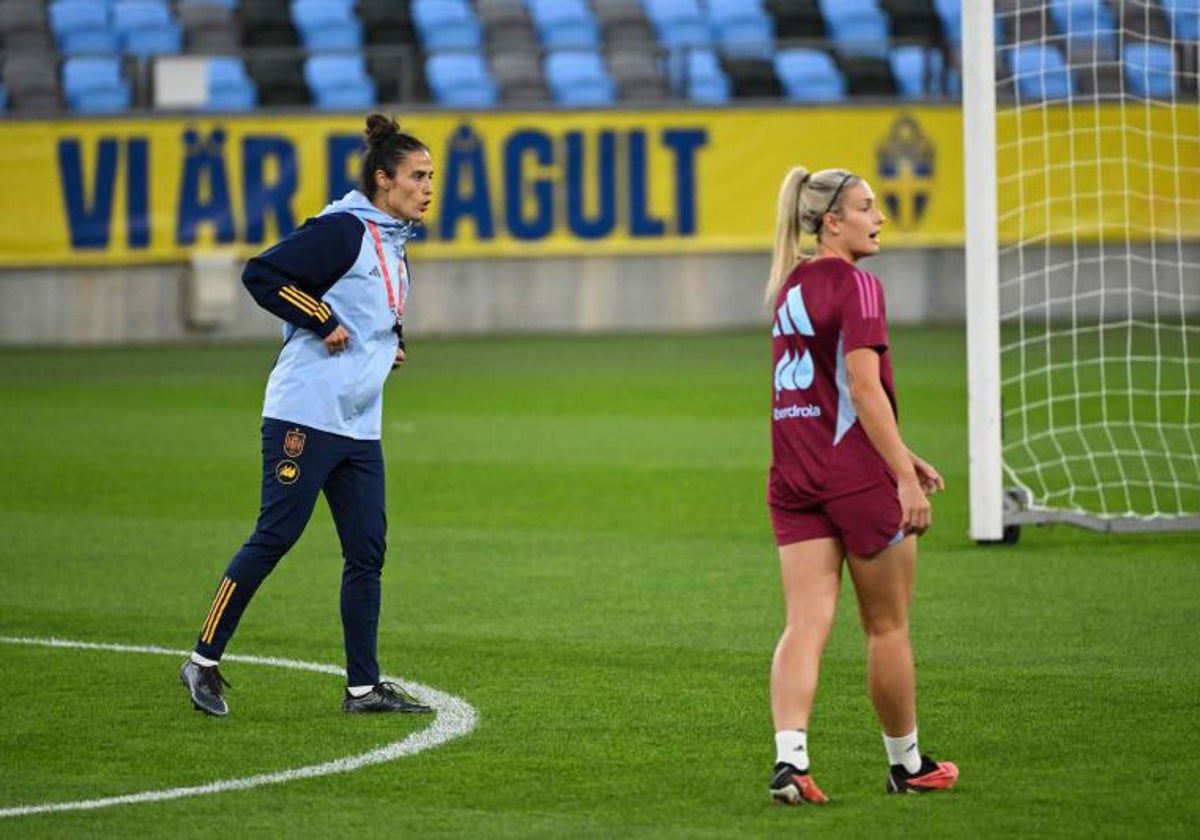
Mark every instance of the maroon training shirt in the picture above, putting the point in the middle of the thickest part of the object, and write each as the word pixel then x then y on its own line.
pixel 826 308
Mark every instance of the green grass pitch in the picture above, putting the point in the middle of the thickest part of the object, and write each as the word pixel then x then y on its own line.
pixel 579 548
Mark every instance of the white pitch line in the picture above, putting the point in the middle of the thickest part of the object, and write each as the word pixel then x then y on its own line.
pixel 455 718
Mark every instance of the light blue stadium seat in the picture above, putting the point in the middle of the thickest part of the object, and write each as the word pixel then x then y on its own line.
pixel 460 79
pixel 1088 25
pixel 809 75
pixel 94 85
pixel 565 24
pixel 1185 18
pixel 1149 70
pixel 1040 72
pixel 146 27
pixel 742 28
pixel 339 82
pixel 579 78
pixel 950 14
pixel 679 23
pixel 703 78
pixel 80 27
pixel 327 24
pixel 447 25
pixel 230 87
pixel 919 71
pixel 3 98
pixel 857 27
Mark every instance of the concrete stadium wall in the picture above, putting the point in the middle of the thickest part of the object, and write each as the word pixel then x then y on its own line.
pixel 152 304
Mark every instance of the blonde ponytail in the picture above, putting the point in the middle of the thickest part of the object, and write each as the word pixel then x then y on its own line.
pixel 804 199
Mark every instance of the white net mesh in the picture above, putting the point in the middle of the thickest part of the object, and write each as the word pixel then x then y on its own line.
pixel 1098 164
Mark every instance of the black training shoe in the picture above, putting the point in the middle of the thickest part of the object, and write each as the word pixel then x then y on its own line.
pixel 384 697
pixel 207 687
pixel 789 786
pixel 933 775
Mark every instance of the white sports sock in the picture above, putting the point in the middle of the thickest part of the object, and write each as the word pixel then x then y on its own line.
pixel 903 750
pixel 791 747
pixel 200 660
pixel 359 690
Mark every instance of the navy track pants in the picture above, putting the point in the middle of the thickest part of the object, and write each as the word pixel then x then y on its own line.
pixel 298 463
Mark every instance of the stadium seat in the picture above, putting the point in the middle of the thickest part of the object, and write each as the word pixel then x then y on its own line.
pixel 31 80
pixel 23 25
pixel 857 27
pixel 753 78
pixel 339 82
pixel 913 20
pixel 398 76
pixel 796 19
pixel 579 78
pixel 82 27
pixel 280 79
pixel 3 98
pixel 1184 16
pixel 229 86
pixel 950 14
pixel 267 23
pixel 637 74
pixel 919 71
pixel 230 5
pixel 447 25
pixel 703 80
pixel 387 22
pixel 565 24
pixel 146 27
pixel 460 79
pixel 327 24
pixel 208 27
pixel 624 24
pixel 809 75
pixel 1149 70
pixel 1040 72
pixel 679 23
pixel 868 76
pixel 1143 20
pixel 94 85
pixel 519 78
pixel 742 28
pixel 1088 25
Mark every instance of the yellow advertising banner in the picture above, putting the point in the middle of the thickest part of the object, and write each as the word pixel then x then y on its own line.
pixel 508 184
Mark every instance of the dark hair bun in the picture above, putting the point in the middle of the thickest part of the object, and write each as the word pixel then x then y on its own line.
pixel 380 128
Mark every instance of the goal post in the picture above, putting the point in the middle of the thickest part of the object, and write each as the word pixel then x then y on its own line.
pixel 1082 177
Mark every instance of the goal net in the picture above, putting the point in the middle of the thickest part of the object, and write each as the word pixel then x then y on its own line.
pixel 1086 265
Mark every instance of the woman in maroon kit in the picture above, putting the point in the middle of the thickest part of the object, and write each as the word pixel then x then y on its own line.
pixel 843 487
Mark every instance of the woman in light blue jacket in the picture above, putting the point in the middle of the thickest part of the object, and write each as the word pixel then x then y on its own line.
pixel 339 282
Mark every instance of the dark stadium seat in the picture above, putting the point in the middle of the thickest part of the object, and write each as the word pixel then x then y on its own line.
pixel 753 78
pixel 915 20
pixel 24 26
pixel 809 75
pixel 387 22
pixel 398 75
pixel 638 75
pixel 624 24
pixel 868 76
pixel 208 27
pixel 280 80
pixel 1089 27
pixel 267 23
pixel 32 82
pixel 519 78
pixel 796 19
pixel 1144 20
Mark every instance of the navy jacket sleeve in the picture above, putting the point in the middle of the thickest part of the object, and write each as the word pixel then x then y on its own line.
pixel 288 279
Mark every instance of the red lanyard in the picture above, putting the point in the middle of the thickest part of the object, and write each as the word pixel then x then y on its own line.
pixel 396 306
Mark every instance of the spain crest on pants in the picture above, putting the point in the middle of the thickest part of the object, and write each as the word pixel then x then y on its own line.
pixel 293 443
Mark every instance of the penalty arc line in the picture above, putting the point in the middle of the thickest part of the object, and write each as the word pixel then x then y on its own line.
pixel 455 718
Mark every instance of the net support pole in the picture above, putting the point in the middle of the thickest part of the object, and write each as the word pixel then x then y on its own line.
pixel 983 292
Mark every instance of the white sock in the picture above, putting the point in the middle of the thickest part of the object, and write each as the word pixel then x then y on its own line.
pixel 359 690
pixel 791 747
pixel 903 750
pixel 200 660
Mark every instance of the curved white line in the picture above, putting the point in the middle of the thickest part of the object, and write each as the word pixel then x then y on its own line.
pixel 455 718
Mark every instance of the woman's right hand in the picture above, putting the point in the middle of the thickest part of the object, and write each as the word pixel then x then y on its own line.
pixel 916 511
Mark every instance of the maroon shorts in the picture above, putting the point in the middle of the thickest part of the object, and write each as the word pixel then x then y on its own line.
pixel 866 522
